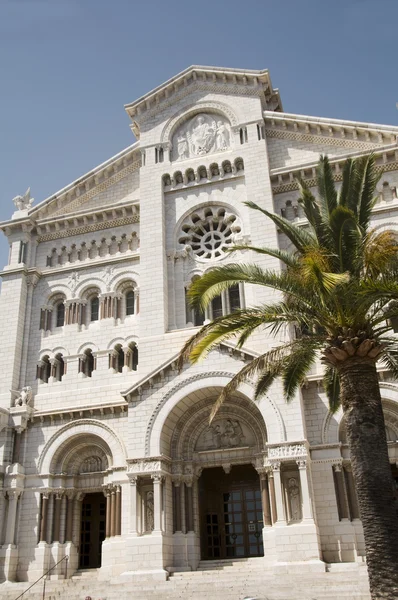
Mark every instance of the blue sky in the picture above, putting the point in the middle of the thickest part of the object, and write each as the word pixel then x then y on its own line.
pixel 67 67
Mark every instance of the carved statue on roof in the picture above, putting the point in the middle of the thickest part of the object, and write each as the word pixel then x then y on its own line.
pixel 23 202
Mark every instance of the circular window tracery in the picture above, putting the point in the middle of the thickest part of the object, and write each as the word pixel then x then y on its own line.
pixel 209 232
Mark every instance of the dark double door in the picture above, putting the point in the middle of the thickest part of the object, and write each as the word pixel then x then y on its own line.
pixel 231 513
pixel 92 531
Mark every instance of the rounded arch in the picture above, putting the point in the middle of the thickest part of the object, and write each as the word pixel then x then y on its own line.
pixel 187 113
pixel 58 295
pixel 79 430
pixel 90 290
pixel 199 383
pixel 91 282
pixel 87 346
pixel 115 341
pixel 120 278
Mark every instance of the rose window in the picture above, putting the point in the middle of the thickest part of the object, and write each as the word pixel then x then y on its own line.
pixel 209 232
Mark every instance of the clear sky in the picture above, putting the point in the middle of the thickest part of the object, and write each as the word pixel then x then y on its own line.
pixel 67 67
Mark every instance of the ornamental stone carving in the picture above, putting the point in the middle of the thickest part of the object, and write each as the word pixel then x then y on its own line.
pixel 201 135
pixel 145 466
pixel 287 451
pixel 224 433
pixel 149 512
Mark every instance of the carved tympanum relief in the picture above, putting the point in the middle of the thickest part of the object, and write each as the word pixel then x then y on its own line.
pixel 224 433
pixel 91 464
pixel 203 134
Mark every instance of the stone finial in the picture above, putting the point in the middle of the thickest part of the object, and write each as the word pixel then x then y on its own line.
pixel 23 202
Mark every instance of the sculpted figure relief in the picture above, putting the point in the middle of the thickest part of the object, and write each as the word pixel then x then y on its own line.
pixel 201 135
pixel 149 512
pixel 294 499
pixel 226 433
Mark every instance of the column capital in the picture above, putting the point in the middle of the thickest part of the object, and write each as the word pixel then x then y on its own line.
pixel 276 466
pixel 133 479
pixel 302 464
pixel 157 477
pixel 13 494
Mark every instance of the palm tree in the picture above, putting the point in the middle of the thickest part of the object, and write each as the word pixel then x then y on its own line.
pixel 338 284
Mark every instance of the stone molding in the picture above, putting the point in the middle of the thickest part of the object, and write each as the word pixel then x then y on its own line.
pixel 82 427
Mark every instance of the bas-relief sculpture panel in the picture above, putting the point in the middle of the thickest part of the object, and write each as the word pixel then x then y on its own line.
pixel 223 434
pixel 201 135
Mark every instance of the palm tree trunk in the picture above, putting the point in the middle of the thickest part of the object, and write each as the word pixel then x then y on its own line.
pixel 360 395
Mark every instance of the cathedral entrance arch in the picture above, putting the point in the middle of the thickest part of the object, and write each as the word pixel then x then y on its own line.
pixel 216 490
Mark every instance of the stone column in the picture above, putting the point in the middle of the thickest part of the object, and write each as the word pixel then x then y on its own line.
pixel 13 496
pixel 157 501
pixel 265 500
pixel 177 506
pixel 305 490
pixel 69 517
pixel 113 512
pixel 62 527
pixel 183 507
pixel 57 516
pixel 107 494
pixel 280 512
pixel 342 500
pixel 133 504
pixel 118 509
pixel 352 493
pixel 44 513
pixel 189 507
pixel 77 517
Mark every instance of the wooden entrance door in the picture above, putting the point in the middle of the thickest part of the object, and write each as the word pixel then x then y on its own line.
pixel 92 531
pixel 231 513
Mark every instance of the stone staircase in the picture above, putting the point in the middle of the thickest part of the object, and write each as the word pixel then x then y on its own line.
pixel 220 580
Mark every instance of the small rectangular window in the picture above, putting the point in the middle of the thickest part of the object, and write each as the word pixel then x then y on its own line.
pixel 216 305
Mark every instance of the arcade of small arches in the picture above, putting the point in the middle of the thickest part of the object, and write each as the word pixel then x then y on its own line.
pixel 122 358
pixel 204 174
pixel 91 306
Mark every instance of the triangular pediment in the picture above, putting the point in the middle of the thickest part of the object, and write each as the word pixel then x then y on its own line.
pixel 213 79
pixel 115 182
pixel 242 354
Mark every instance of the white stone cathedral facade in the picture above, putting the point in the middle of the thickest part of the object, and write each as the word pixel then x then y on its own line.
pixel 106 452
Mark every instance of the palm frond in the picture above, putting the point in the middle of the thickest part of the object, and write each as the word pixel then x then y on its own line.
pixel 331 384
pixel 211 284
pixel 267 362
pixel 288 258
pixel 326 187
pixel 369 180
pixel 299 237
pixel 297 365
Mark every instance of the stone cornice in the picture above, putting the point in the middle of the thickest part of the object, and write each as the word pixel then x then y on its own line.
pixel 92 263
pixel 80 412
pixel 284 180
pixel 331 128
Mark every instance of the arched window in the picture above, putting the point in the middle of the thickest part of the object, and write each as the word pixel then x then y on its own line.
pixel 94 308
pixel 44 369
pixel 117 358
pixel 130 303
pixel 59 367
pixel 87 364
pixel 60 315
